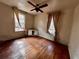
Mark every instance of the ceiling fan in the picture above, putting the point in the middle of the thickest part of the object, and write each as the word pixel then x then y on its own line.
pixel 38 6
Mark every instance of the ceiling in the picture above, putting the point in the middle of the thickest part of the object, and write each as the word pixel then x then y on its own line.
pixel 53 5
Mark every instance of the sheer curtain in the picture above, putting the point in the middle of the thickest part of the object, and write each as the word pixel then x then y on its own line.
pixel 54 24
pixel 51 29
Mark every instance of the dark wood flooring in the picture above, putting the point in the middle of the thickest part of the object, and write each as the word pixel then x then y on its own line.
pixel 33 48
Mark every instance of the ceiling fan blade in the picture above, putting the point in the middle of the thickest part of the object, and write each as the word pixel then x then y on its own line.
pixel 45 5
pixel 31 3
pixel 37 9
pixel 32 9
pixel 40 10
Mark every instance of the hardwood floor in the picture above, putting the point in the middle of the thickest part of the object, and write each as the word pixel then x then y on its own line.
pixel 33 48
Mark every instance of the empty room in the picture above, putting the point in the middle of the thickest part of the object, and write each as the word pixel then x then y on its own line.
pixel 39 29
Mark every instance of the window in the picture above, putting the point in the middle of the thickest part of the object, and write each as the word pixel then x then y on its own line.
pixel 19 24
pixel 52 27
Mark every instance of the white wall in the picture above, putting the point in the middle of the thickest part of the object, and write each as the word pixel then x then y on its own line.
pixel 74 39
pixel 66 23
pixel 40 24
pixel 7 23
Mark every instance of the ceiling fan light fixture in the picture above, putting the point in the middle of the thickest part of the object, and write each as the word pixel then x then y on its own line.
pixel 37 7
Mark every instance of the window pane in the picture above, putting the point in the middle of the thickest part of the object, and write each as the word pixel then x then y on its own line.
pixel 21 26
pixel 22 20
pixel 52 28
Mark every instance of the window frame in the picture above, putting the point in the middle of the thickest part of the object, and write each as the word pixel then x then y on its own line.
pixel 19 28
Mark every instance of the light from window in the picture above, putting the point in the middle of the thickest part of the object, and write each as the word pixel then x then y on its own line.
pixel 21 26
pixel 52 27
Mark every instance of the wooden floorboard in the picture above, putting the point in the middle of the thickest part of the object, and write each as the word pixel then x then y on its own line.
pixel 33 48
